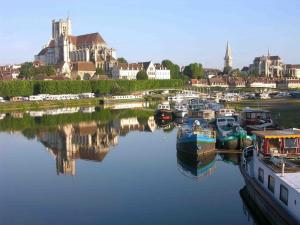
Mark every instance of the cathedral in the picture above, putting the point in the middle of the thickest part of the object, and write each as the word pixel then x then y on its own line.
pixel 76 56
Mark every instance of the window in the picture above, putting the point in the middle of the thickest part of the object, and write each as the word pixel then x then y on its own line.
pixel 284 194
pixel 261 175
pixel 290 143
pixel 271 184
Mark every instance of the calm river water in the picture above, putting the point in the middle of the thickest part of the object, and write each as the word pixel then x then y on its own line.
pixel 111 167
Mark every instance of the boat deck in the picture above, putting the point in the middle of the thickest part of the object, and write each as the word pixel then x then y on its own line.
pixel 291 172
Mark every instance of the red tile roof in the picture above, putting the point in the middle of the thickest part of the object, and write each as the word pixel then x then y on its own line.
pixel 83 66
pixel 86 39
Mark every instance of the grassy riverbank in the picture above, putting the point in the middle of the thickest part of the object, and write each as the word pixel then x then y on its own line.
pixel 265 103
pixel 28 105
pixel 285 111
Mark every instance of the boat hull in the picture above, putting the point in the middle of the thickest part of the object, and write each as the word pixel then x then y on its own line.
pixel 275 214
pixel 196 144
pixel 234 143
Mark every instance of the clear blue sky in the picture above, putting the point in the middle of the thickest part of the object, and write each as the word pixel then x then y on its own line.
pixel 181 30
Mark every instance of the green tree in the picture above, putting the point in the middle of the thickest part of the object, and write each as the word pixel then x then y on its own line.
pixel 122 60
pixel 227 70
pixel 49 70
pixel 27 71
pixel 142 75
pixel 235 73
pixel 194 70
pixel 174 68
pixel 99 71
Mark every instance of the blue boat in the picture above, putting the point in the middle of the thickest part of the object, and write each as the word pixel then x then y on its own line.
pixel 195 137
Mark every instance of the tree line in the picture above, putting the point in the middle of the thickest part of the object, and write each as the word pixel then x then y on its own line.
pixel 32 87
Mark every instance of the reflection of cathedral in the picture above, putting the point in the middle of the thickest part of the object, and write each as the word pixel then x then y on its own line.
pixel 87 140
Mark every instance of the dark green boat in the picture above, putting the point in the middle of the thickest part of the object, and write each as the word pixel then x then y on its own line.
pixel 230 135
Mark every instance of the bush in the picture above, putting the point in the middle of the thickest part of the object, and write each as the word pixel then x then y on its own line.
pixel 142 75
pixel 30 87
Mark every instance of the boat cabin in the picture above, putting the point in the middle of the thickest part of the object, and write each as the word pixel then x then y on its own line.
pixel 163 107
pixel 225 112
pixel 285 143
pixel 255 116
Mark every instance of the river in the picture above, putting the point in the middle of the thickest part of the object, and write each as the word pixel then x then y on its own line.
pixel 111 167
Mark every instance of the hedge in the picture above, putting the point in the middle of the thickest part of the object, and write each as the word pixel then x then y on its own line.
pixel 31 87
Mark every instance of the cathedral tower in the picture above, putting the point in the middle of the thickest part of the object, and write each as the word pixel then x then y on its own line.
pixel 228 57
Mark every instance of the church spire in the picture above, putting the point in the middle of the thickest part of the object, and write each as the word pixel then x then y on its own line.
pixel 228 57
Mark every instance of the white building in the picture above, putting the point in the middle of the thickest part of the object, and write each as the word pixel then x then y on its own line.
pixel 129 71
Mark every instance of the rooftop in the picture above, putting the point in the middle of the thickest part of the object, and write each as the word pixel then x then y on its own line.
pixel 287 133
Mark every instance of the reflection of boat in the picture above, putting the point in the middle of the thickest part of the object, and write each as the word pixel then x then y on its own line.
pixel 230 135
pixel 251 209
pixel 233 158
pixel 195 137
pixel 196 166
pixel 163 112
pixel 256 119
pixel 271 170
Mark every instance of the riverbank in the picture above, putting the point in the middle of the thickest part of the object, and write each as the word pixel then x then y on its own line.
pixel 30 105
pixel 284 110
pixel 265 103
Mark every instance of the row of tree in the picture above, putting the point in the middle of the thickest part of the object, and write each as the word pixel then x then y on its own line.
pixel 30 87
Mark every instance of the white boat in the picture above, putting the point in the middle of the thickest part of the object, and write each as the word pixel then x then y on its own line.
pixel 225 112
pixel 180 110
pixel 182 96
pixel 271 169
pixel 257 119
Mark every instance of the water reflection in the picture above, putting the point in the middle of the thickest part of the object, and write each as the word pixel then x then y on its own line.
pixel 232 158
pixel 86 140
pixel 196 167
pixel 92 135
pixel 69 139
pixel 250 209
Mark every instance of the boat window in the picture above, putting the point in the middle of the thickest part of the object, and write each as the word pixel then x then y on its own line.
pixel 261 175
pixel 290 143
pixel 248 115
pixel 230 120
pixel 221 120
pixel 284 194
pixel 271 183
pixel 274 145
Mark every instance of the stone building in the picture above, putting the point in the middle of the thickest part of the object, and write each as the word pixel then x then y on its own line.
pixel 292 70
pixel 64 49
pixel 267 66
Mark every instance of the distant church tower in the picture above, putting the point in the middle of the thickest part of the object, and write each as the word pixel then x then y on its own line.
pixel 228 57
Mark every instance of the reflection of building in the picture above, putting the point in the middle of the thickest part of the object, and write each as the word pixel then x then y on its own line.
pixel 88 140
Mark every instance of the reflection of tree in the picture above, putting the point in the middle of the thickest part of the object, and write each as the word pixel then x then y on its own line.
pixel 29 133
